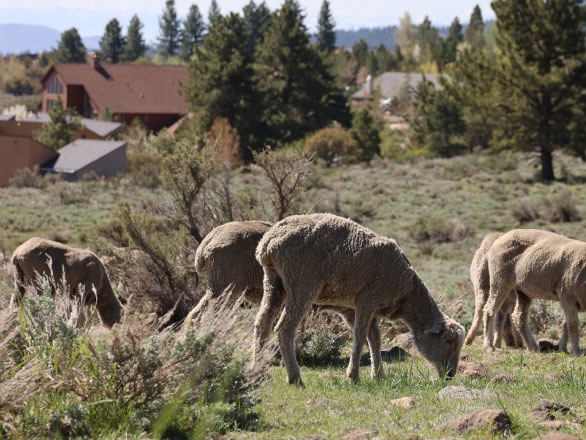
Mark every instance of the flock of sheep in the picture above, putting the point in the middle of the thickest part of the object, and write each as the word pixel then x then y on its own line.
pixel 332 263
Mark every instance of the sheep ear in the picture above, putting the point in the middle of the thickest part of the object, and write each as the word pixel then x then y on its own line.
pixel 435 329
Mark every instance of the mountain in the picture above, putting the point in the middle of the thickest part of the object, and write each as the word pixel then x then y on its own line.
pixel 31 38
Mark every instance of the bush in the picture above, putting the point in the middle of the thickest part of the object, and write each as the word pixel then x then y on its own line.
pixel 366 135
pixel 322 340
pixel 331 144
pixel 226 141
pixel 561 208
pixel 437 230
pixel 28 178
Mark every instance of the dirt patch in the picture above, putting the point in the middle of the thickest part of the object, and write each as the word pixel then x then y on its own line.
pixel 556 436
pixel 548 410
pixel 360 434
pixel 556 425
pixel 470 370
pixel 497 420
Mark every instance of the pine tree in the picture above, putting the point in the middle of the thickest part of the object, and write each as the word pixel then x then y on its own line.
pixel 299 94
pixel 112 42
pixel 135 45
pixel 360 51
pixel 213 13
pixel 448 49
pixel 406 35
pixel 60 130
pixel 256 21
pixel 366 135
pixel 192 33
pixel 475 31
pixel 169 30
pixel 326 35
pixel 221 80
pixel 70 48
pixel 427 36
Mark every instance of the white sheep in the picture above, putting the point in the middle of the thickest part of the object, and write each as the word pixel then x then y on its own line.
pixel 542 265
pixel 480 278
pixel 78 267
pixel 329 260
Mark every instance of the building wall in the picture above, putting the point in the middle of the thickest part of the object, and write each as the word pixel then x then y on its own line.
pixel 75 98
pixel 18 128
pixel 51 96
pixel 109 165
pixel 20 152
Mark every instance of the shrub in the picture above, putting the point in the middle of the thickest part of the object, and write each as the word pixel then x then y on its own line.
pixel 366 135
pixel 525 212
pixel 561 208
pixel 436 230
pixel 28 178
pixel 331 144
pixel 322 340
pixel 226 141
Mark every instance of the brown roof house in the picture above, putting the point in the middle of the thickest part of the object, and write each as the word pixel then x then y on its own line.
pixel 145 91
pixel 19 150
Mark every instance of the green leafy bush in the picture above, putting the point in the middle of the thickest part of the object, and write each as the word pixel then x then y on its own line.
pixel 330 144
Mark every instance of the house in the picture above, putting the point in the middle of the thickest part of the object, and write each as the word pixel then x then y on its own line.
pixel 17 152
pixel 392 84
pixel 145 91
pixel 105 158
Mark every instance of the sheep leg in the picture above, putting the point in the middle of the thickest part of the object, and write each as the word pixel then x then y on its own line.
pixel 19 285
pixel 297 306
pixel 477 320
pixel 517 338
pixel 197 310
pixel 363 319
pixel 572 323
pixel 520 320
pixel 500 327
pixel 270 306
pixel 498 295
pixel 373 338
pixel 563 344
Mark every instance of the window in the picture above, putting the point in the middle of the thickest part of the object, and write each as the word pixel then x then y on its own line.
pixel 54 86
pixel 50 104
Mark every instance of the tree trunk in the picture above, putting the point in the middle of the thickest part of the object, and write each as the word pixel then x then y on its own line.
pixel 546 165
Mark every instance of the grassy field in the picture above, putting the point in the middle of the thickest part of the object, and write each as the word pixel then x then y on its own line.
pixel 438 211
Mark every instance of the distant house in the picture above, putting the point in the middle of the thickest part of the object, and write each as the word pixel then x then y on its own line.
pixel 145 91
pixel 17 152
pixel 391 84
pixel 105 158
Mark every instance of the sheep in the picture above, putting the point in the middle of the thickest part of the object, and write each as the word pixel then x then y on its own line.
pixel 542 265
pixel 329 260
pixel 226 254
pixel 39 257
pixel 481 281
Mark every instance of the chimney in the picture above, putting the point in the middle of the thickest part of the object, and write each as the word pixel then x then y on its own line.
pixel 369 85
pixel 93 59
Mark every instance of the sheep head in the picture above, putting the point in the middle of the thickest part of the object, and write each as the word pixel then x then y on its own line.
pixel 440 343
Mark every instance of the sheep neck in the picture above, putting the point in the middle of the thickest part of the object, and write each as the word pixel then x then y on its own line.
pixel 419 310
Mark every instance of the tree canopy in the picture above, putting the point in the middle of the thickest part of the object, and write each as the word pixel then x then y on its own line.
pixel 169 34
pixel 112 42
pixel 70 48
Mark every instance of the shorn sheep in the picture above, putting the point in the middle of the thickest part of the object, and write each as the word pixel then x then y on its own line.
pixel 226 255
pixel 329 260
pixel 542 265
pixel 77 267
pixel 480 278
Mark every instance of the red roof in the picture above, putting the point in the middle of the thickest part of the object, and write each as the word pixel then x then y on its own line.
pixel 128 88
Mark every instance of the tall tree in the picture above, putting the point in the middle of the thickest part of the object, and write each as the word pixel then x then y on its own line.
pixel 406 35
pixel 448 48
pixel 257 18
pixel 366 135
pixel 540 76
pixel 221 80
pixel 360 51
pixel 326 35
pixel 112 42
pixel 299 94
pixel 427 37
pixel 135 46
pixel 192 33
pixel 70 48
pixel 475 30
pixel 59 131
pixel 213 13
pixel 169 30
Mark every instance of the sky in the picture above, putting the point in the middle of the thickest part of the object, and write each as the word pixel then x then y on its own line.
pixel 90 16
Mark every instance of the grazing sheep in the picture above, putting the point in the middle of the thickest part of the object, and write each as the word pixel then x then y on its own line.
pixel 226 254
pixel 329 260
pixel 542 265
pixel 481 281
pixel 74 266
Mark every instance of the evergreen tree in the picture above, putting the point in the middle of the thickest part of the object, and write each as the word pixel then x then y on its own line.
pixel 366 135
pixel 386 60
pixel 256 20
pixel 112 42
pixel 169 30
pixel 372 65
pixel 326 35
pixel 406 35
pixel 60 130
pixel 299 94
pixel 427 36
pixel 360 51
pixel 192 33
pixel 475 31
pixel 540 77
pixel 135 45
pixel 70 48
pixel 448 49
pixel 213 13
pixel 221 80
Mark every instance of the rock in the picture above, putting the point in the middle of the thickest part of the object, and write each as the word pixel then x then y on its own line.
pixel 393 353
pixel 548 410
pixel 471 370
pixel 496 419
pixel 456 392
pixel 403 402
pixel 404 340
pixel 556 436
pixel 360 434
pixel 556 425
pixel 553 376
pixel 546 345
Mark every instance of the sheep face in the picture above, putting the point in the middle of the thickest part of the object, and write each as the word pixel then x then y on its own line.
pixel 440 344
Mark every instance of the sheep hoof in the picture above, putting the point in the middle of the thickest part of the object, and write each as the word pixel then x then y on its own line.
pixel 296 381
